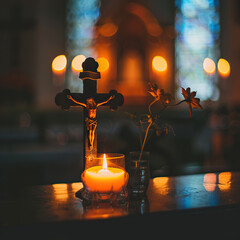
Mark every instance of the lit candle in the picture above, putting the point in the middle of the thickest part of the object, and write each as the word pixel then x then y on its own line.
pixel 104 179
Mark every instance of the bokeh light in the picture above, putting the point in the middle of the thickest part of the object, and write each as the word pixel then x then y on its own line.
pixel 103 64
pixel 223 67
pixel 197 25
pixel 159 63
pixel 209 66
pixel 59 64
pixel 147 17
pixel 108 29
pixel 77 63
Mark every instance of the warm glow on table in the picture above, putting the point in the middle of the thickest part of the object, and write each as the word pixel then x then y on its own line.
pixel 60 191
pixel 104 179
pixel 210 182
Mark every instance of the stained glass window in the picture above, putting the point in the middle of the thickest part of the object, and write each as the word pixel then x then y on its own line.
pixel 81 19
pixel 198 28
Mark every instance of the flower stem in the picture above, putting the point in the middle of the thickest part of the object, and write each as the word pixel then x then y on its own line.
pixel 144 141
pixel 140 135
pixel 149 107
pixel 173 105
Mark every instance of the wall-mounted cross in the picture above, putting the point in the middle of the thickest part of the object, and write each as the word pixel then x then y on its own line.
pixel 90 100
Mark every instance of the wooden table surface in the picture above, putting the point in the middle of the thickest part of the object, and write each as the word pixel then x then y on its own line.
pixel 209 197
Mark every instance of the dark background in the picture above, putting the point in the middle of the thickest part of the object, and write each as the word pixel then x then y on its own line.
pixel 41 144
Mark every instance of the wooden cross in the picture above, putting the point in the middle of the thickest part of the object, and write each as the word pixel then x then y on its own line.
pixel 90 100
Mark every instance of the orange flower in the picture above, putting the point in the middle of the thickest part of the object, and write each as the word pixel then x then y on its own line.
pixel 159 94
pixel 191 100
pixel 154 91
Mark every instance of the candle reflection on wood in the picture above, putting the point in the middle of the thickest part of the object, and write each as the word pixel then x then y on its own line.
pixel 210 182
pixel 60 191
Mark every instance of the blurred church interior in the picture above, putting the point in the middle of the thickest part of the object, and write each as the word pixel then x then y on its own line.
pixel 173 43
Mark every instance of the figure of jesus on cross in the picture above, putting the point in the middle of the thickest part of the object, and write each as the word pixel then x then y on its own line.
pixel 91 120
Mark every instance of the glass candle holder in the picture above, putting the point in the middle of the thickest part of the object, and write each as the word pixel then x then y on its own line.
pixel 116 160
pixel 105 176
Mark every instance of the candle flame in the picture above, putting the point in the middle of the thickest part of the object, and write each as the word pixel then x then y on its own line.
pixel 104 162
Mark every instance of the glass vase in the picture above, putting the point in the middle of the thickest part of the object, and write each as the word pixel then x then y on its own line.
pixel 139 173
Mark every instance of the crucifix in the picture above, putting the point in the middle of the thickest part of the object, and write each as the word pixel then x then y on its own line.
pixel 89 100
